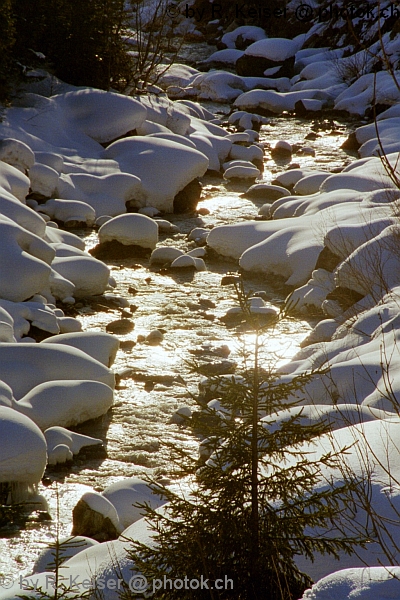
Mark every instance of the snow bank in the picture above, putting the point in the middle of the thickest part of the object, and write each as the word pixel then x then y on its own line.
pixel 102 116
pixel 364 583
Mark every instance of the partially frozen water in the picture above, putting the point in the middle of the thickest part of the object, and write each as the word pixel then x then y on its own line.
pixel 157 379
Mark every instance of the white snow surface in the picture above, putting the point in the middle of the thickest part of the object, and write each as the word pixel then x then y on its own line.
pixel 276 49
pixel 130 229
pixel 164 167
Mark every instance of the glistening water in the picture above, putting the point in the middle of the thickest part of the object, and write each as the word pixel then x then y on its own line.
pixel 156 380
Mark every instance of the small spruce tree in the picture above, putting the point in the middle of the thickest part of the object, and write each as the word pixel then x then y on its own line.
pixel 243 515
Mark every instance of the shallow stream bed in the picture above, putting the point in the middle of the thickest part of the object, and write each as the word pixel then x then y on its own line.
pixel 156 379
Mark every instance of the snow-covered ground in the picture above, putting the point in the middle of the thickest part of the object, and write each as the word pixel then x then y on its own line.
pixel 333 237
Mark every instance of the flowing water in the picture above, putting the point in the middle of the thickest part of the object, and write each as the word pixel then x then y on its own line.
pixel 156 380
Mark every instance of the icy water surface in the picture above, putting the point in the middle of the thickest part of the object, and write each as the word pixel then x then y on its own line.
pixel 156 380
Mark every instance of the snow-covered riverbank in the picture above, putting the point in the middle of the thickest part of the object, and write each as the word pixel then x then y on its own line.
pixel 87 156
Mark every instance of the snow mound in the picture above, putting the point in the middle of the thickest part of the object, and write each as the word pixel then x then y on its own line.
pixel 13 181
pixel 277 102
pixel 102 116
pixel 246 32
pixel 17 154
pixel 106 194
pixel 89 275
pixel 23 449
pixel 359 96
pixel 69 212
pixel 99 345
pixel 132 229
pixel 44 180
pixel 126 494
pixel 276 49
pixel 364 583
pixel 65 403
pixel 58 436
pixel 163 166
pixel 24 366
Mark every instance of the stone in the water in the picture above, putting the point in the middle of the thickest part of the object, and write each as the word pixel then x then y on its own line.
pixel 181 416
pixel 120 326
pixel 265 192
pixel 155 337
pixel 165 255
pixel 114 249
pixel 203 211
pixel 184 262
pixel 186 200
pixel 230 279
pixel 282 149
pixel 91 523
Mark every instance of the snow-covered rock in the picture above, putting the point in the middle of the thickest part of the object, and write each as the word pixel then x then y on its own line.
pixel 106 194
pixel 69 211
pixel 131 229
pixel 23 454
pixel 65 402
pixel 126 494
pixel 163 166
pixel 71 443
pixel 24 366
pixel 99 345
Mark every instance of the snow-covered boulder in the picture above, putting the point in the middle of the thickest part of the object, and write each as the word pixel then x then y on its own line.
pixel 65 403
pixel 165 255
pixel 89 275
pixel 23 454
pixel 245 171
pixel 310 184
pixel 17 154
pixel 62 444
pixel 243 34
pixel 164 112
pixel 126 494
pixel 102 116
pixel 129 230
pixel 363 583
pixel 164 167
pixel 379 88
pixel 13 181
pixel 99 345
pixel 12 208
pixel 266 54
pixel 218 86
pixel 44 180
pixel 277 102
pixel 69 212
pixel 28 255
pixel 106 194
pixel 24 366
